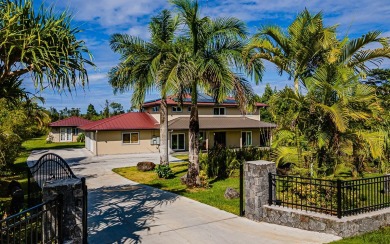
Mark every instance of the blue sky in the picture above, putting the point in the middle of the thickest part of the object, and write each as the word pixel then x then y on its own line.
pixel 101 18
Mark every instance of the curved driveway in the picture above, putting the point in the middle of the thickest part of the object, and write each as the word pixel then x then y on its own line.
pixel 122 211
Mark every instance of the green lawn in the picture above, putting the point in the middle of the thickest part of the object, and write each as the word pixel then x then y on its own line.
pixel 213 195
pixel 381 236
pixel 18 171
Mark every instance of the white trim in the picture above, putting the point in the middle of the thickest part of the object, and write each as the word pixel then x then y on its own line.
pixel 130 143
pixel 66 134
pixel 247 131
pixel 219 111
pixel 184 137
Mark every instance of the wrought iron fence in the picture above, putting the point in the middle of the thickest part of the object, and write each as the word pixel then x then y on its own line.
pixel 39 224
pixel 333 197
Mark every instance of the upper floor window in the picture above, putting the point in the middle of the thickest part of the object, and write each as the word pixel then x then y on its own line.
pixel 219 111
pixel 155 108
pixel 176 109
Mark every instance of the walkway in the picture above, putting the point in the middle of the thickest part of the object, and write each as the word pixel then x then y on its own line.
pixel 122 211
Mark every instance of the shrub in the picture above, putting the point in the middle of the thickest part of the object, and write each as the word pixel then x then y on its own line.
pixel 164 171
pixel 81 137
pixel 221 162
pixel 10 147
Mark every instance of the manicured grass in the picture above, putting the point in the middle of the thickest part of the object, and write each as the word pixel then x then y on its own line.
pixel 213 195
pixel 381 236
pixel 18 171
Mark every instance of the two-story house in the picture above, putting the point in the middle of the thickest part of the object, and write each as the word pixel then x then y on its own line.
pixel 139 131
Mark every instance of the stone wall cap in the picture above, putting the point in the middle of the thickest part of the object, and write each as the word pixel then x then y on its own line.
pixel 62 182
pixel 260 162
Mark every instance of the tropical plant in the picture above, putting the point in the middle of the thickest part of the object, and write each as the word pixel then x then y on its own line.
pixel 44 46
pixel 140 65
pixel 323 133
pixel 164 171
pixel 208 51
pixel 305 45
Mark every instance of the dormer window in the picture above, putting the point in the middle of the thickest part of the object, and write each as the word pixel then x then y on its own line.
pixel 155 108
pixel 219 111
pixel 176 109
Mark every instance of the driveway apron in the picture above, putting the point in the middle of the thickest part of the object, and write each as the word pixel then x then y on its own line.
pixel 123 211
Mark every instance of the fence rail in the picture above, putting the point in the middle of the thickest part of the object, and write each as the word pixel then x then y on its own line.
pixel 39 224
pixel 334 197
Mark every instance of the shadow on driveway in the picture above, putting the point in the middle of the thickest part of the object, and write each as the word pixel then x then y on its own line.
pixel 116 213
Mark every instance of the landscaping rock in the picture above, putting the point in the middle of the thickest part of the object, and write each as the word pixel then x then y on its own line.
pixel 145 166
pixel 231 193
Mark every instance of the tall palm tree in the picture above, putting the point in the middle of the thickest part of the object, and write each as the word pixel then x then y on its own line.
pixel 140 65
pixel 307 44
pixel 298 51
pixel 211 47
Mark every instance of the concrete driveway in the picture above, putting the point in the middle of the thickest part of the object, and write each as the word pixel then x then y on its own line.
pixel 122 211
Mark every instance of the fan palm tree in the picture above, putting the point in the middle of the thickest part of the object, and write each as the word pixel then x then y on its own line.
pixel 211 47
pixel 140 66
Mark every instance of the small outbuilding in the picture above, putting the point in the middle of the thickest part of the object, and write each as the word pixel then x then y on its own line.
pixel 66 130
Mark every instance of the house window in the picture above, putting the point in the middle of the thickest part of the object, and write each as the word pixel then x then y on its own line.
pixel 189 108
pixel 155 108
pixel 176 109
pixel 66 134
pixel 178 141
pixel 130 138
pixel 219 111
pixel 75 131
pixel 246 138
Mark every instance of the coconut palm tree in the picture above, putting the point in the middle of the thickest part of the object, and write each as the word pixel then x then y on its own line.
pixel 211 47
pixel 140 65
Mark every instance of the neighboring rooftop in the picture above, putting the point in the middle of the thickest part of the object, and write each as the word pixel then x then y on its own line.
pixel 70 122
pixel 203 99
pixel 127 121
pixel 182 123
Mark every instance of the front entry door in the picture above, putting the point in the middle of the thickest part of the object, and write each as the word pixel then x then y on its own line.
pixel 220 138
pixel 178 141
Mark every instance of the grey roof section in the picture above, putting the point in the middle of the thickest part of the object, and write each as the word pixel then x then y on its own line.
pixel 205 123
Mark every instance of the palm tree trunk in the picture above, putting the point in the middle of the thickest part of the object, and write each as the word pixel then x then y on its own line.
pixel 296 85
pixel 192 178
pixel 164 132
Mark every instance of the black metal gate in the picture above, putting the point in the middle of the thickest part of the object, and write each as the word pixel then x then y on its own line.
pixel 51 167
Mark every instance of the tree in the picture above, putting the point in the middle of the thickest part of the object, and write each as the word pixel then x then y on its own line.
pixel 307 44
pixel 117 108
pixel 265 114
pixel 139 67
pixel 106 110
pixel 91 112
pixel 44 46
pixel 300 50
pixel 204 60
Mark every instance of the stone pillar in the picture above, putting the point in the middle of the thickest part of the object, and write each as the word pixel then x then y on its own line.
pixel 257 187
pixel 71 191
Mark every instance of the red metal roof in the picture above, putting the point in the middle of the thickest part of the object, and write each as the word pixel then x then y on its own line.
pixel 72 121
pixel 127 121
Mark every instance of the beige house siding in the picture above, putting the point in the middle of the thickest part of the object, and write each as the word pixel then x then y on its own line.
pixel 203 112
pixel 110 142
